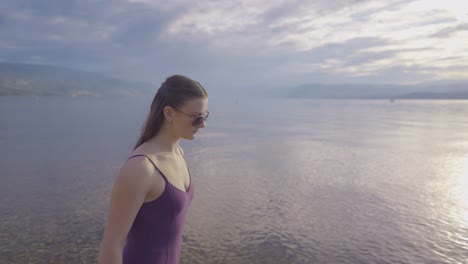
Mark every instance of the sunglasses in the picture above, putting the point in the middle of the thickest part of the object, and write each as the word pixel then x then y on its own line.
pixel 196 120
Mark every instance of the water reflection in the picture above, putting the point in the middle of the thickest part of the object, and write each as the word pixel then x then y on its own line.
pixel 311 181
pixel 461 193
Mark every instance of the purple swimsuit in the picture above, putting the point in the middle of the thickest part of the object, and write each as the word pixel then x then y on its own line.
pixel 156 234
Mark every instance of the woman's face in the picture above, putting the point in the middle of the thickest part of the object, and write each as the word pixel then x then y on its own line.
pixel 189 117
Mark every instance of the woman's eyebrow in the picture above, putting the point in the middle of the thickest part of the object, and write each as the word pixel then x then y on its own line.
pixel 198 113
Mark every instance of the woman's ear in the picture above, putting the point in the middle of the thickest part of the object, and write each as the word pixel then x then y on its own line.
pixel 168 113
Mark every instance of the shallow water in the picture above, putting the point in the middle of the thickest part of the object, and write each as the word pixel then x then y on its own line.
pixel 276 180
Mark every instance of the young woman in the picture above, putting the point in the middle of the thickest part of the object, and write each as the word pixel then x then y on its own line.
pixel 154 188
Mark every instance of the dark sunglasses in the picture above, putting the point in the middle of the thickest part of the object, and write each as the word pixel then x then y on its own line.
pixel 196 120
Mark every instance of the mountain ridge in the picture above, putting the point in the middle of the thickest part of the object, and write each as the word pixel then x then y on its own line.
pixel 45 80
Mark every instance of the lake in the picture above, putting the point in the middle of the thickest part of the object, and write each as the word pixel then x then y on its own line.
pixel 276 180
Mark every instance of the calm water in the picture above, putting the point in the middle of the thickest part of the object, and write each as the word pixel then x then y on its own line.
pixel 276 180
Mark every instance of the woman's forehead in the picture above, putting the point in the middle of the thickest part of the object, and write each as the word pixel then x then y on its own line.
pixel 197 105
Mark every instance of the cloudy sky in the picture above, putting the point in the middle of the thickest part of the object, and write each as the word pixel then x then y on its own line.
pixel 234 44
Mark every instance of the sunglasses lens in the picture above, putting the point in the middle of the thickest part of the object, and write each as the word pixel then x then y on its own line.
pixel 199 120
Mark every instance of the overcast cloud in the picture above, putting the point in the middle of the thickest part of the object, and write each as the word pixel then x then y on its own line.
pixel 235 44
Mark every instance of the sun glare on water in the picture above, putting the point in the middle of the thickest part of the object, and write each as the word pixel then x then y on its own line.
pixel 462 184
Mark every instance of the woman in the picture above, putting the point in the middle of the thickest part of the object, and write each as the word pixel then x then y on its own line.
pixel 154 189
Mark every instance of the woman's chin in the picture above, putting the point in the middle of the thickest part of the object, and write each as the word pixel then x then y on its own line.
pixel 190 136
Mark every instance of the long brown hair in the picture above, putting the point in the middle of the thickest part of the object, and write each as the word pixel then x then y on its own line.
pixel 174 92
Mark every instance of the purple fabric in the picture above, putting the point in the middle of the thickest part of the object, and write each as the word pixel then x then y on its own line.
pixel 156 234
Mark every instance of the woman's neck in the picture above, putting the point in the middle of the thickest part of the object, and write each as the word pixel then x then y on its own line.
pixel 164 142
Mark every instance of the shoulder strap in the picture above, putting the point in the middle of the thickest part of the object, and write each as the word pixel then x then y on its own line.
pixel 156 167
pixel 181 151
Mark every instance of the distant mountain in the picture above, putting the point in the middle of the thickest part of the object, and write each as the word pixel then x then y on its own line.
pixel 436 90
pixel 463 95
pixel 27 79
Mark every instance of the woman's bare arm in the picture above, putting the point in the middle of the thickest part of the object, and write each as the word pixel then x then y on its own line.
pixel 128 194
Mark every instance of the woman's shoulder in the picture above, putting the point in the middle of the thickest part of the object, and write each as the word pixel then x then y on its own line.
pixel 134 180
pixel 139 162
pixel 140 174
pixel 137 167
